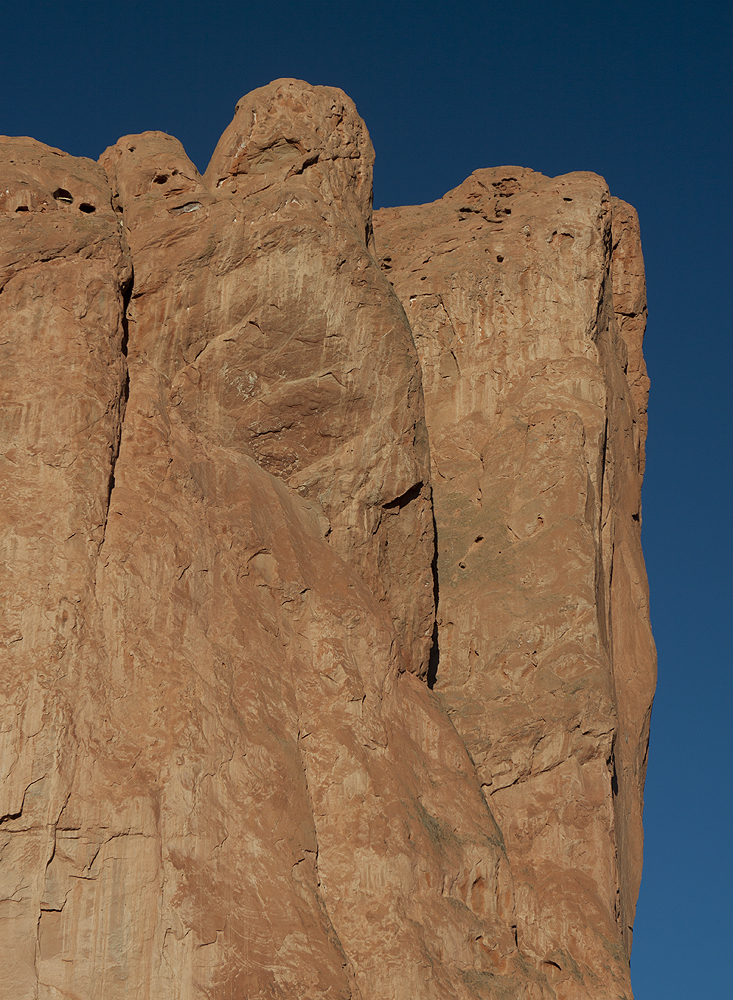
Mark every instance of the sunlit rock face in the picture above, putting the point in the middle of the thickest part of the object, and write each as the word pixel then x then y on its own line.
pixel 326 659
pixel 526 299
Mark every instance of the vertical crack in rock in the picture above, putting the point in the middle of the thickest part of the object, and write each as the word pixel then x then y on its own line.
pixel 434 661
pixel 120 404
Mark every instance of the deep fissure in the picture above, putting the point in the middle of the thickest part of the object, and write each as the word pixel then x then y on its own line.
pixel 123 397
pixel 434 660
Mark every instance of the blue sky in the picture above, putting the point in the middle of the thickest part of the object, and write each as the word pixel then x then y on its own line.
pixel 638 92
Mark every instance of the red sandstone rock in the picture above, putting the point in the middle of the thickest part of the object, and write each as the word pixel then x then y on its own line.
pixel 223 772
pixel 63 273
pixel 535 400
pixel 262 306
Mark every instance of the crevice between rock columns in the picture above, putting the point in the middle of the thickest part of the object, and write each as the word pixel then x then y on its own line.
pixel 121 401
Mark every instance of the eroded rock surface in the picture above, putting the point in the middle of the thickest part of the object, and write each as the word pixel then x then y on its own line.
pixel 526 298
pixel 224 773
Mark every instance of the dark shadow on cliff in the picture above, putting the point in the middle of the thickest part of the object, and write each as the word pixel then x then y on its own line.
pixel 435 649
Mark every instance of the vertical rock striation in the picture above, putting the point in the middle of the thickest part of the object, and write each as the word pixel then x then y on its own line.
pixel 223 771
pixel 64 270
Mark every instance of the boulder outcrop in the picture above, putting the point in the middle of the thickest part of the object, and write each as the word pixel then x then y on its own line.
pixel 326 659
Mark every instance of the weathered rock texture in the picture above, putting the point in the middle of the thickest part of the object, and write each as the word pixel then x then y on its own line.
pixel 526 298
pixel 225 455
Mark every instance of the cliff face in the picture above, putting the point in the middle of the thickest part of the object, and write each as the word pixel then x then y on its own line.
pixel 526 298
pixel 250 437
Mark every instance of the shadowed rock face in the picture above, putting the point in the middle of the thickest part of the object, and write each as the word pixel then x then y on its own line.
pixel 225 447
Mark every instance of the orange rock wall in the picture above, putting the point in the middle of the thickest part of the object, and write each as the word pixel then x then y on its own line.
pixel 238 467
pixel 526 298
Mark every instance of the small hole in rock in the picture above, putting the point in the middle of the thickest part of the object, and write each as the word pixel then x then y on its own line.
pixel 478 538
pixel 131 149
pixel 22 208
pixel 634 517
pixel 567 199
pixel 160 178
pixel 499 258
pixel 61 194
pixel 87 208
pixel 462 565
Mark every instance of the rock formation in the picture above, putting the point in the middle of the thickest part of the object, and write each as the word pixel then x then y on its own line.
pixel 326 657
pixel 526 298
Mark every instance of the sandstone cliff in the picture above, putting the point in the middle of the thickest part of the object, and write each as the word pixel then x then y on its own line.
pixel 326 658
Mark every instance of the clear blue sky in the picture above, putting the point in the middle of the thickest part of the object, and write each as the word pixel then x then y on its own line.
pixel 638 92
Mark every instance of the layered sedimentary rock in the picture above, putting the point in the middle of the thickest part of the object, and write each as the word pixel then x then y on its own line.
pixel 236 479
